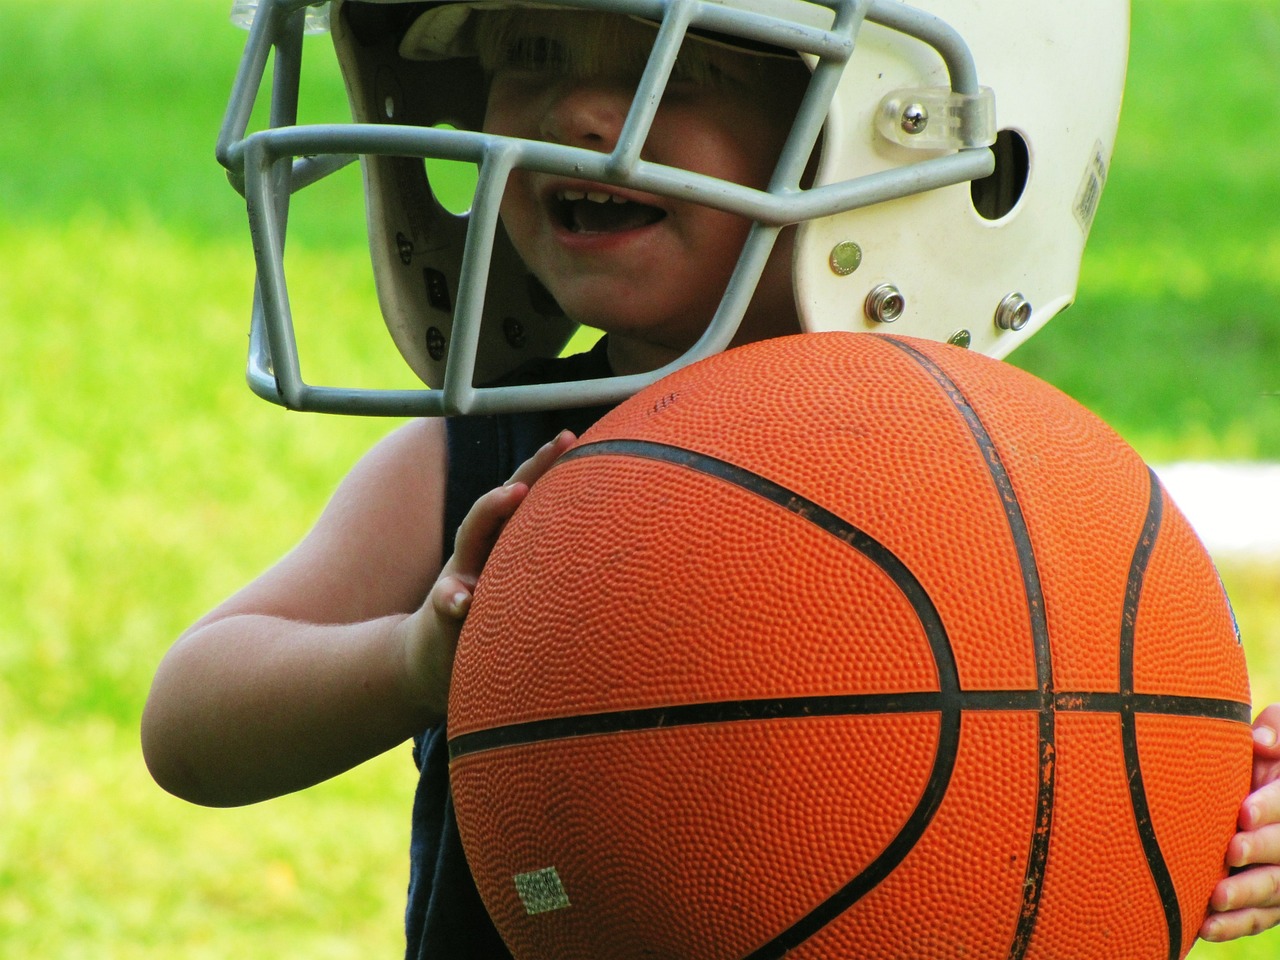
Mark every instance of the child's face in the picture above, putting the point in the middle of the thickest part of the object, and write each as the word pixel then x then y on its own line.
pixel 647 269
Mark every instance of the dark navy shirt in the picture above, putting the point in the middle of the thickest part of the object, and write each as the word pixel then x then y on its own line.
pixel 445 919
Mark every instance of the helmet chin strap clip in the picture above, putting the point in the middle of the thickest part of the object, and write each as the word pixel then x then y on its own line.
pixel 938 118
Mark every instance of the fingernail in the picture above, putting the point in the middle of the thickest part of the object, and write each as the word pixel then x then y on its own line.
pixel 1264 736
pixel 1244 848
pixel 459 603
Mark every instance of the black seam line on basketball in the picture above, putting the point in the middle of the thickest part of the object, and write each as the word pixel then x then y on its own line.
pixel 839 705
pixel 1160 875
pixel 692 714
pixel 935 633
pixel 1102 701
pixel 1150 704
pixel 1038 855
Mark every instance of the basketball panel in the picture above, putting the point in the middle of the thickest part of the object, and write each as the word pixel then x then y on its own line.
pixel 694 842
pixel 1185 638
pixel 685 589
pixel 958 893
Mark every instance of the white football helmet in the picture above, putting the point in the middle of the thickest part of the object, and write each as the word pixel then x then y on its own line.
pixel 962 149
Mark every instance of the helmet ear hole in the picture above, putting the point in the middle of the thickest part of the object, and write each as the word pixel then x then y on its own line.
pixel 452 182
pixel 996 195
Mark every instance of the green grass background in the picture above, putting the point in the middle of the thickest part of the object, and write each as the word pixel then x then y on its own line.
pixel 140 481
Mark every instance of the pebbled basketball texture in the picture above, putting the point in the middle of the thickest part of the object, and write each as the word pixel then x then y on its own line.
pixel 849 646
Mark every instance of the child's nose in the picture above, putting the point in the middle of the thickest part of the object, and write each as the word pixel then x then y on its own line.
pixel 586 114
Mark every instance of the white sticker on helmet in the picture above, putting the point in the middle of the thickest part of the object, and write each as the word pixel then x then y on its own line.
pixel 1095 178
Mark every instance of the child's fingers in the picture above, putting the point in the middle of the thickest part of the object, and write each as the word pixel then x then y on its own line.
pixel 1261 846
pixel 451 599
pixel 1244 903
pixel 541 462
pixel 430 637
pixel 1266 733
pixel 480 528
pixel 1219 927
pixel 483 523
pixel 1261 809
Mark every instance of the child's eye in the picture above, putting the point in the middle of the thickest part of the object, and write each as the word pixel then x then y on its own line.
pixel 698 70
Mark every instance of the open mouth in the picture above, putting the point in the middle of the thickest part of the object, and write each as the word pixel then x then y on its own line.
pixel 599 212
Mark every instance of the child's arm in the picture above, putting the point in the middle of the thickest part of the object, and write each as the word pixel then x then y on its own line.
pixel 331 656
pixel 1248 902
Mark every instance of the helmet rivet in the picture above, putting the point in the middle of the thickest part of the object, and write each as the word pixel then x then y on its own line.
pixel 1013 313
pixel 961 338
pixel 885 303
pixel 914 118
pixel 846 257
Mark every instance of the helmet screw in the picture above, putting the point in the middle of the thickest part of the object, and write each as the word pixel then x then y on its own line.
pixel 885 303
pixel 846 257
pixel 914 118
pixel 961 338
pixel 1013 313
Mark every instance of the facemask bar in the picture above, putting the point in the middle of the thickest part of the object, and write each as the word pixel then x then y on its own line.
pixel 278 23
pixel 284 158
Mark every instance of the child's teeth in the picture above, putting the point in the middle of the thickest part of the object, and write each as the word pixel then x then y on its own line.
pixel 595 196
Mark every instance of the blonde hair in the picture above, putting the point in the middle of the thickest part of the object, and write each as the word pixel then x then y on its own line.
pixel 582 44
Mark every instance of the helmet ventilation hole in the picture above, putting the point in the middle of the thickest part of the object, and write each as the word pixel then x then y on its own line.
pixel 995 196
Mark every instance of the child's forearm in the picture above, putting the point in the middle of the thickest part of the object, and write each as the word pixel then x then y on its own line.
pixel 250 707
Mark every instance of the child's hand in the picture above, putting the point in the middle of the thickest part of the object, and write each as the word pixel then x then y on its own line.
pixel 430 635
pixel 1248 902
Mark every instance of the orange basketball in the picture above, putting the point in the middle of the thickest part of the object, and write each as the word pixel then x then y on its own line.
pixel 849 646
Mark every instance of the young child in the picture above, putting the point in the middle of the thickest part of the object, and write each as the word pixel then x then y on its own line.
pixel 342 650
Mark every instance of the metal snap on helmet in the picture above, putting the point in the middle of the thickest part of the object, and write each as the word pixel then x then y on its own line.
pixel 961 149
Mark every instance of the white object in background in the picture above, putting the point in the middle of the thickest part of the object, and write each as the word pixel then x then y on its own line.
pixel 1234 507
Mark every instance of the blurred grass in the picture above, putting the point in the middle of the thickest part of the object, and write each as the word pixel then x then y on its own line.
pixel 95 861
pixel 142 482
